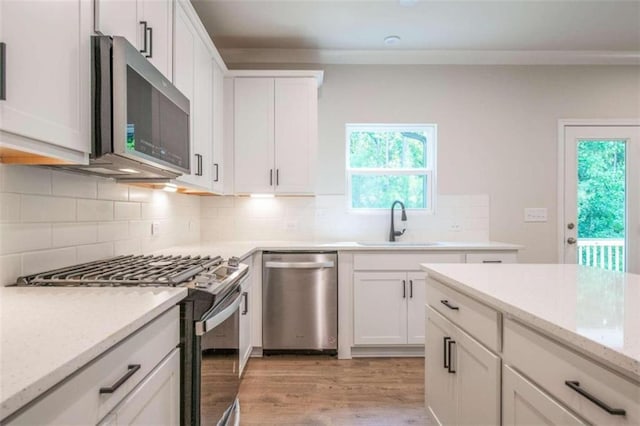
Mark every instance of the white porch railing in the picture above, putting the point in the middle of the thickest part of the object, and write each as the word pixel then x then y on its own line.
pixel 601 253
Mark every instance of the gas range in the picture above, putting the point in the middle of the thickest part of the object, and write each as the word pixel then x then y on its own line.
pixel 200 274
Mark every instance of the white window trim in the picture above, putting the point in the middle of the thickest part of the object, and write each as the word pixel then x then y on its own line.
pixel 429 171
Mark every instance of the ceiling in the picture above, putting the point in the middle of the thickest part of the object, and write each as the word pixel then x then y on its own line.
pixel 443 25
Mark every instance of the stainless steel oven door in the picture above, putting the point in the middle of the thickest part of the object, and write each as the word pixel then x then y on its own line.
pixel 216 385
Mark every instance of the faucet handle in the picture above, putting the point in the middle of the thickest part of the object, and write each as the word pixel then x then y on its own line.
pixel 399 233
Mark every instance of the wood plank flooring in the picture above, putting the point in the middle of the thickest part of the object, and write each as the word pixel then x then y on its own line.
pixel 322 390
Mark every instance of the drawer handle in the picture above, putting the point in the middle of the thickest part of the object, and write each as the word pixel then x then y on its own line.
pixel 492 261
pixel 450 306
pixel 246 303
pixel 132 368
pixel 613 411
pixel 445 357
pixel 450 366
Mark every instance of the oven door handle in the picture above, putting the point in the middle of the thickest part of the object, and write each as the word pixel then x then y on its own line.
pixel 299 265
pixel 208 324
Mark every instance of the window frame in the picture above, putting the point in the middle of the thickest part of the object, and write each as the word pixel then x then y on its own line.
pixel 429 171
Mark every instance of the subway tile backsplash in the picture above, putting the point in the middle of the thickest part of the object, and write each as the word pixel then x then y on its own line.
pixel 51 219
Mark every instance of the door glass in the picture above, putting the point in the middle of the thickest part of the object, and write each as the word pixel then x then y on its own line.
pixel 601 203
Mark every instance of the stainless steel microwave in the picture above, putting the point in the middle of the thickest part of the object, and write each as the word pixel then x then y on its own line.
pixel 140 119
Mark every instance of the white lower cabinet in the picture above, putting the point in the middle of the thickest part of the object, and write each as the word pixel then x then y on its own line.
pixel 462 376
pixel 135 382
pixel 523 403
pixel 388 308
pixel 155 401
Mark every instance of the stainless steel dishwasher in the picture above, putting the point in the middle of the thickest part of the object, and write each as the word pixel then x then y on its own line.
pixel 300 301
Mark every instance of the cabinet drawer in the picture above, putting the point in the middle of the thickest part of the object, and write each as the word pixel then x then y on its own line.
pixel 78 401
pixel 550 364
pixel 401 261
pixel 525 403
pixel 478 320
pixel 492 257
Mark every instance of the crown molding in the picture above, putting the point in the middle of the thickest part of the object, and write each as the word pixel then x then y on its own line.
pixel 429 57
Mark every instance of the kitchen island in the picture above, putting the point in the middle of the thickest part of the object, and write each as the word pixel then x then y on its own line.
pixel 542 343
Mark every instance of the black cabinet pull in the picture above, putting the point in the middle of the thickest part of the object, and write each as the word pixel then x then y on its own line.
pixel 270 177
pixel 404 289
pixel 145 32
pixel 217 176
pixel 132 368
pixel 246 302
pixel 450 366
pixel 277 177
pixel 492 261
pixel 3 72
pixel 445 357
pixel 613 411
pixel 410 289
pixel 198 165
pixel 450 306
pixel 150 54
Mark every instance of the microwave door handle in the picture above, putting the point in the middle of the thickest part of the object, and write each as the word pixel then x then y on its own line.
pixel 209 323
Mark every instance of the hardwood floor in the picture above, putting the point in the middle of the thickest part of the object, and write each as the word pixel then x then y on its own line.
pixel 321 390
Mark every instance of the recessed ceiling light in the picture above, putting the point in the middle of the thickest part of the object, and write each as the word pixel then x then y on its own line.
pixel 391 40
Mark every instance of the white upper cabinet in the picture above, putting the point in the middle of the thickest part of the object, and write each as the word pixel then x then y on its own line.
pixel 219 171
pixel 275 134
pixel 193 76
pixel 147 24
pixel 47 104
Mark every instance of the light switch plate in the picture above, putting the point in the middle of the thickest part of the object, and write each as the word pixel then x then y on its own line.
pixel 535 214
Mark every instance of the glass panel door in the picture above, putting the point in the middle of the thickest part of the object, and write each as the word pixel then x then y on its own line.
pixel 601 197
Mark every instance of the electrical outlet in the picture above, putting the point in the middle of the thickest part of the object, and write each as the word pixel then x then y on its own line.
pixel 535 214
pixel 455 227
pixel 291 225
pixel 155 228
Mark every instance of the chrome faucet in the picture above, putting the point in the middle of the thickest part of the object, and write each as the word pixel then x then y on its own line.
pixel 392 232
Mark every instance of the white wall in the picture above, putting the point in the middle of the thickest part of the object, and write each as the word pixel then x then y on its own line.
pixel 497 129
pixel 50 219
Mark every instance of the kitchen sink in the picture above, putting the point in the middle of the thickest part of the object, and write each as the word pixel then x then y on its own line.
pixel 399 243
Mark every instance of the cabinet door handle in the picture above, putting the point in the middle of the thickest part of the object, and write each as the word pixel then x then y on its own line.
pixel 450 369
pixel 150 54
pixel 145 32
pixel 277 177
pixel 131 370
pixel 492 261
pixel 410 289
pixel 270 177
pixel 449 305
pixel 404 289
pixel 198 165
pixel 445 356
pixel 246 303
pixel 217 171
pixel 574 385
pixel 3 72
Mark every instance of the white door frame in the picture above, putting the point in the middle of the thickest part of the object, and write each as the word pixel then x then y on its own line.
pixel 562 125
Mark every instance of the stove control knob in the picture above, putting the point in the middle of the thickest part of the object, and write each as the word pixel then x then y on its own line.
pixel 233 262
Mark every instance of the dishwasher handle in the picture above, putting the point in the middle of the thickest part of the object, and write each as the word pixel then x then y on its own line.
pixel 299 265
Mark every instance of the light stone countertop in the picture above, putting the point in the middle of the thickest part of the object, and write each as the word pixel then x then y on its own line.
pixel 48 333
pixel 594 311
pixel 244 249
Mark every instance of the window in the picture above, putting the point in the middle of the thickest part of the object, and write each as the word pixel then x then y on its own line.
pixel 388 162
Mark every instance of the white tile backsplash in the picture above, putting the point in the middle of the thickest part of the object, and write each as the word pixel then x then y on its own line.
pixel 326 218
pixel 94 210
pixel 51 219
pixel 40 208
pixel 68 185
pixel 74 234
pixel 39 261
